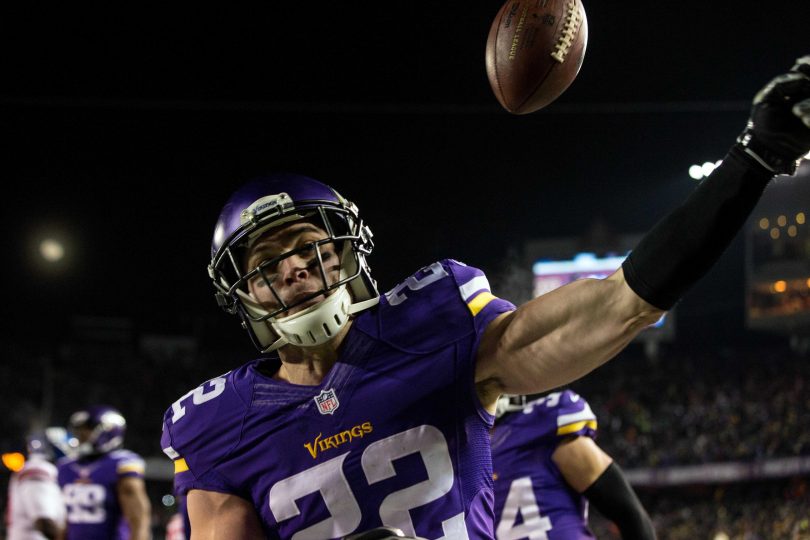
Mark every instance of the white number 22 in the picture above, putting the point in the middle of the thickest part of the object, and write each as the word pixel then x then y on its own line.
pixel 377 462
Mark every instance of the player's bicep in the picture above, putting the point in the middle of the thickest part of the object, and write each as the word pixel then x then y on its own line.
pixel 220 516
pixel 560 336
pixel 581 462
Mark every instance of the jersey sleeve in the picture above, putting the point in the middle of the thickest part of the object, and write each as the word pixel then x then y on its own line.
pixel 38 470
pixel 129 464
pixel 475 292
pixel 443 302
pixel 201 428
pixel 560 415
pixel 574 416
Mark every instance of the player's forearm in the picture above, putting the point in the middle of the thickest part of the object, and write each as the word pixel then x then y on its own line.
pixel 48 528
pixel 612 495
pixel 561 336
pixel 220 516
pixel 140 528
pixel 683 246
pixel 137 509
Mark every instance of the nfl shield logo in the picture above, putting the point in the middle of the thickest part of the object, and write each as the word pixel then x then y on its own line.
pixel 327 401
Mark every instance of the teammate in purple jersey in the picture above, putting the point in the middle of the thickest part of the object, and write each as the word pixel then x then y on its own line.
pixel 369 410
pixel 547 467
pixel 103 484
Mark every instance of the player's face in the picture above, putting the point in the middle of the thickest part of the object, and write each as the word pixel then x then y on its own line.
pixel 294 277
pixel 82 433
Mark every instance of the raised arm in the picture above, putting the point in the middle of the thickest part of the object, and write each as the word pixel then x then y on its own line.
pixel 135 506
pixel 561 336
pixel 219 516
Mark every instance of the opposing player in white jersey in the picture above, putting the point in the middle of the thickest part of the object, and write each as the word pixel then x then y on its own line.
pixel 35 509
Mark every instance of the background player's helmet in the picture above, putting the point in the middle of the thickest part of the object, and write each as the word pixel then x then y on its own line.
pixel 52 443
pixel 510 403
pixel 281 199
pixel 107 427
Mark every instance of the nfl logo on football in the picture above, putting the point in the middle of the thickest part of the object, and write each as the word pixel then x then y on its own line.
pixel 327 401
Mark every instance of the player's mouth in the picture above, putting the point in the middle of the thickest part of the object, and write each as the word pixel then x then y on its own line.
pixel 303 305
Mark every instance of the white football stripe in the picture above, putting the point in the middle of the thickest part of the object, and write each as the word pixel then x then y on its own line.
pixel 475 284
pixel 584 414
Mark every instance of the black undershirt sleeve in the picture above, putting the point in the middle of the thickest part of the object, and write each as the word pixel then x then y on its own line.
pixel 612 495
pixel 684 245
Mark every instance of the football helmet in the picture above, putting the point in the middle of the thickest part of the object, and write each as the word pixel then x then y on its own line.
pixel 107 428
pixel 52 443
pixel 281 199
pixel 510 403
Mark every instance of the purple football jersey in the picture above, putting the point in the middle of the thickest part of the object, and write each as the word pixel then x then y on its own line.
pixel 89 489
pixel 394 435
pixel 532 499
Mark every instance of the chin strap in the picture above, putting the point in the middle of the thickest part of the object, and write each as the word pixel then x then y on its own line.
pixel 318 323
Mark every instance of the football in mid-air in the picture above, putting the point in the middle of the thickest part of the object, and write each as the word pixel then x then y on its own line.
pixel 534 51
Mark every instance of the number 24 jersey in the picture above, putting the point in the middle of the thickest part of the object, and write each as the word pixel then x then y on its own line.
pixel 532 499
pixel 394 435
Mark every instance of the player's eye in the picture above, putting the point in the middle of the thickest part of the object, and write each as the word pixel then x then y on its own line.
pixel 265 273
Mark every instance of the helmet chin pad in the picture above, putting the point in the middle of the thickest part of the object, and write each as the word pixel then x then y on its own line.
pixel 318 323
pixel 310 327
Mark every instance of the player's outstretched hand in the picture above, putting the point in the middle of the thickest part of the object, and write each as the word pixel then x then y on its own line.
pixel 778 131
pixel 381 533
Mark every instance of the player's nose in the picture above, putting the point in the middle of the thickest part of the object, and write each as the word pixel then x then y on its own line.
pixel 293 269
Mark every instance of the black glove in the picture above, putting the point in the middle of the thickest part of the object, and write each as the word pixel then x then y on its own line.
pixel 778 131
pixel 380 533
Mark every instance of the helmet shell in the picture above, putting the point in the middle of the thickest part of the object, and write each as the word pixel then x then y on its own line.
pixel 107 426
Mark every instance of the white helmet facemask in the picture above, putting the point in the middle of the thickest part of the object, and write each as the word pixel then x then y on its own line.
pixel 510 403
pixel 316 324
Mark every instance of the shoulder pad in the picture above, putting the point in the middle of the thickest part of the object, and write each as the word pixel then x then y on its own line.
pixel 128 463
pixel 563 414
pixel 38 470
pixel 439 304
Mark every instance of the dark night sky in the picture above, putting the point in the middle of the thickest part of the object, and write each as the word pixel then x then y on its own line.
pixel 127 131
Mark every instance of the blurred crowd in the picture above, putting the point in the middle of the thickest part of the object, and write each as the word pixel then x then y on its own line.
pixel 690 407
pixel 141 375
pixel 774 510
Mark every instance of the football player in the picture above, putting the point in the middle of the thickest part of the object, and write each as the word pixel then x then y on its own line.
pixel 547 467
pixel 103 484
pixel 35 509
pixel 367 410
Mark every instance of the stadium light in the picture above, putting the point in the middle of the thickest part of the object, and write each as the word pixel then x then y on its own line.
pixel 14 461
pixel 699 172
pixel 51 250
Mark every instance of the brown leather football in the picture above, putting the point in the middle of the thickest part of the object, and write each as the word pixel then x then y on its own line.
pixel 534 51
